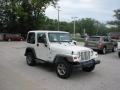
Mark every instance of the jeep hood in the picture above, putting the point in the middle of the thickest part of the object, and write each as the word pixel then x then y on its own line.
pixel 68 47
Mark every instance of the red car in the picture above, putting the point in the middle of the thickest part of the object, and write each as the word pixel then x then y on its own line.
pixel 13 37
pixel 101 43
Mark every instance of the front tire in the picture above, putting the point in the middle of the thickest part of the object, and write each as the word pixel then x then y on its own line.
pixel 119 54
pixel 30 59
pixel 63 69
pixel 104 50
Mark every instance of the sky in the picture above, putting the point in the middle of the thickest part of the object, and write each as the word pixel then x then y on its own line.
pixel 101 10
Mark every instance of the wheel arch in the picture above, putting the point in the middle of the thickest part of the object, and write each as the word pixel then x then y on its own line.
pixel 59 58
pixel 30 49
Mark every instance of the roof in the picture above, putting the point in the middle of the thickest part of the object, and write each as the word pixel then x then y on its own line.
pixel 47 31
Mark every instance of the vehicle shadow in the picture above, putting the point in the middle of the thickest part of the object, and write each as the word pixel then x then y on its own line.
pixel 46 66
pixel 82 75
pixel 107 52
pixel 78 73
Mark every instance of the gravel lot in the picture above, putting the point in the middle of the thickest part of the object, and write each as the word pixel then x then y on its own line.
pixel 15 74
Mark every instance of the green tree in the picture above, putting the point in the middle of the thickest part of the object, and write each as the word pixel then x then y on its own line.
pixel 91 26
pixel 87 25
pixel 23 15
pixel 116 22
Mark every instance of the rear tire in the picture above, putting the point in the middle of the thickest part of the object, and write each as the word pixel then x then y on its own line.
pixel 30 59
pixel 114 49
pixel 63 69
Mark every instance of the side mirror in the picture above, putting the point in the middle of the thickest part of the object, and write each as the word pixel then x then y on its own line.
pixel 74 42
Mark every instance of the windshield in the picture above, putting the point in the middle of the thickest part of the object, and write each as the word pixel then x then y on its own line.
pixel 59 37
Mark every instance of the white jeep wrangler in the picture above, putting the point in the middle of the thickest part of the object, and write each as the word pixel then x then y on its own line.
pixel 57 47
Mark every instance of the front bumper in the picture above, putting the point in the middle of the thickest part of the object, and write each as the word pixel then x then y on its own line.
pixel 86 63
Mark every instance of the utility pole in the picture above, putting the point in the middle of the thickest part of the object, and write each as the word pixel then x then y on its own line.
pixel 58 9
pixel 74 25
pixel 97 27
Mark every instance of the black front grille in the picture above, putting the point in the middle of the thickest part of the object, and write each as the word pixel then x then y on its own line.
pixel 85 55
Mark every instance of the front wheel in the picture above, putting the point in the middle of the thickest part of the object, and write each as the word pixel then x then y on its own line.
pixel 104 50
pixel 89 69
pixel 119 54
pixel 63 69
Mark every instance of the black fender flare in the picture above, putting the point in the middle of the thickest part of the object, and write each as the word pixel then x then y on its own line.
pixel 67 58
pixel 30 49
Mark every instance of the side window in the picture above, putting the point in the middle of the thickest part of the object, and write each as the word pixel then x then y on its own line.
pixel 53 37
pixel 106 39
pixel 31 38
pixel 41 37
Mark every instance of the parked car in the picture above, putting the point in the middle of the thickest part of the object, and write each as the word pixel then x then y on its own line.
pixel 114 35
pixel 101 43
pixel 13 37
pixel 57 48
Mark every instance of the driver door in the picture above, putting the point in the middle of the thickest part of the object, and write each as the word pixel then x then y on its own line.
pixel 42 49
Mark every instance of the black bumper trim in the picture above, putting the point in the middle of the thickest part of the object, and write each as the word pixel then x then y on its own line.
pixel 86 63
